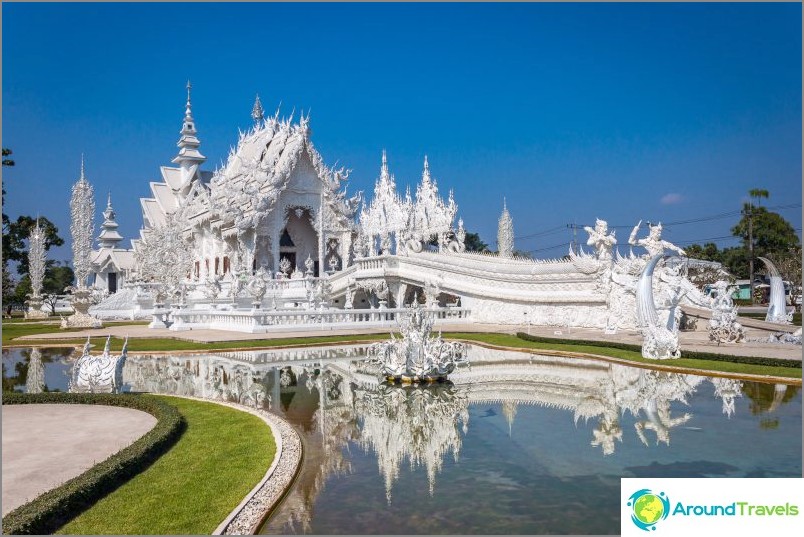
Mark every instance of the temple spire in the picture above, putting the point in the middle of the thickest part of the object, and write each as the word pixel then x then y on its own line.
pixel 505 233
pixel 109 236
pixel 189 158
pixel 257 112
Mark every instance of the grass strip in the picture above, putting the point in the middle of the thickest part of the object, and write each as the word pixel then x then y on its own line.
pixel 220 457
pixel 791 369
pixel 47 512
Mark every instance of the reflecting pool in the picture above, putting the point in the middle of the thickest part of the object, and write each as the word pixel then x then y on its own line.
pixel 517 443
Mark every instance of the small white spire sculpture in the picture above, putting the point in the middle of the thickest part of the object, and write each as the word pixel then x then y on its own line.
pixel 257 112
pixel 82 213
pixel 36 271
pixel 505 233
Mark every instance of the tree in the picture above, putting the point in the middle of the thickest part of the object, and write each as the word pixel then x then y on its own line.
pixel 758 194
pixel 771 233
pixel 57 277
pixel 473 243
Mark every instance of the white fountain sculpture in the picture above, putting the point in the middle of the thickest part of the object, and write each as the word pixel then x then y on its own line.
pixel 659 342
pixel 36 269
pixel 82 213
pixel 418 356
pixel 777 309
pixel 98 374
pixel 723 326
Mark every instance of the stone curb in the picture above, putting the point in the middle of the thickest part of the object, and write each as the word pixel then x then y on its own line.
pixel 249 514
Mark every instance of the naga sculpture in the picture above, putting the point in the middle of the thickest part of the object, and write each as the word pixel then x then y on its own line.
pixel 418 356
pixel 659 341
pixel 98 374
pixel 777 309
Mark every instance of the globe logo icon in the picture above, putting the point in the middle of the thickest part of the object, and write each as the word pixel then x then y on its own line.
pixel 648 508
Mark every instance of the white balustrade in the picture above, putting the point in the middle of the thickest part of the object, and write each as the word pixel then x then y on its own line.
pixel 258 321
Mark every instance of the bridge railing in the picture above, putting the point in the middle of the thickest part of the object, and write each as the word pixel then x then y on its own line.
pixel 255 321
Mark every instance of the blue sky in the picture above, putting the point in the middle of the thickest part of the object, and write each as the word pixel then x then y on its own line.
pixel 661 112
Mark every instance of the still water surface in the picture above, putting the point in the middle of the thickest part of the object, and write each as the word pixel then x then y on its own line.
pixel 516 444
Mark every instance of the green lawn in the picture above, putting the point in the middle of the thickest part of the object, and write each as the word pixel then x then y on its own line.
pixel 190 489
pixel 506 340
pixel 169 344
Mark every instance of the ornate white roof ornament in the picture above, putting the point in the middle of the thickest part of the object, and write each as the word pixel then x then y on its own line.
pixel 505 233
pixel 189 158
pixel 430 216
pixel 109 236
pixel 257 112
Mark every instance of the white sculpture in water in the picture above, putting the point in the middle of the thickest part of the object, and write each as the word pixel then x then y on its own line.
pixel 660 340
pixel 723 326
pixel 98 374
pixel 777 309
pixel 418 356
pixel 36 270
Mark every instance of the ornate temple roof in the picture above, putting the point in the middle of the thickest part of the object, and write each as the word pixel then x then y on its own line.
pixel 260 167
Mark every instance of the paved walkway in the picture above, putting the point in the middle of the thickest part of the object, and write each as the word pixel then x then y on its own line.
pixel 692 341
pixel 45 445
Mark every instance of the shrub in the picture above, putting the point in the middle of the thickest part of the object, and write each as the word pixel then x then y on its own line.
pixel 56 507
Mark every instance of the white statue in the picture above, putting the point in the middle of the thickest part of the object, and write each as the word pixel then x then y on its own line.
pixel 600 239
pixel 723 326
pixel 653 243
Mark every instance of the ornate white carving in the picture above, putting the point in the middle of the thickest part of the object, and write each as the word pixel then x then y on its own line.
pixel 82 213
pixel 164 257
pixel 102 373
pixel 36 270
pixel 723 326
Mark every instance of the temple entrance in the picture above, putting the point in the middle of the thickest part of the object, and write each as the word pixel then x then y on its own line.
pixel 112 282
pixel 298 240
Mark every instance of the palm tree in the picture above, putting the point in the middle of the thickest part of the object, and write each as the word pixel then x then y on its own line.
pixel 758 194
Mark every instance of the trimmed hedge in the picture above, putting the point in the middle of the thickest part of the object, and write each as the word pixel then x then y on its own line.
pixel 51 510
pixel 695 355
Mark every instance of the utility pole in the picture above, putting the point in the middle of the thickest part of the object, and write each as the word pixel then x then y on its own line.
pixel 751 249
pixel 574 244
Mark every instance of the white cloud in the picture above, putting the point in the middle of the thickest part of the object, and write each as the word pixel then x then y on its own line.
pixel 671 198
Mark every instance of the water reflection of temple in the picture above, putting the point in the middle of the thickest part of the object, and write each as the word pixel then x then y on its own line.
pixel 336 402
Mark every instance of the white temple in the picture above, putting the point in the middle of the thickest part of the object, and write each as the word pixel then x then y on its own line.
pixel 271 240
pixel 110 263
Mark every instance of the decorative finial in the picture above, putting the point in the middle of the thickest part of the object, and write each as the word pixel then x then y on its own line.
pixel 82 168
pixel 109 200
pixel 257 112
pixel 188 112
pixel 384 158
